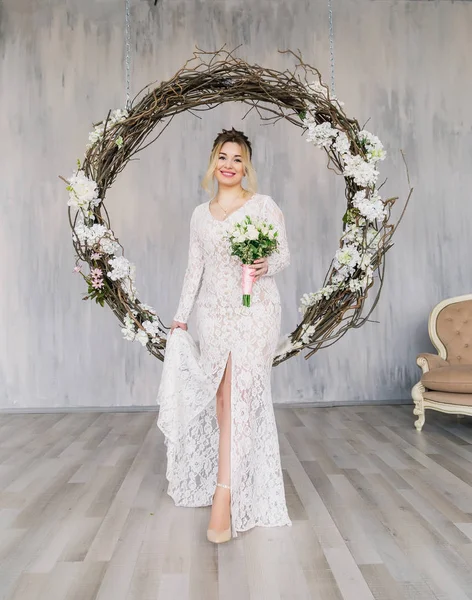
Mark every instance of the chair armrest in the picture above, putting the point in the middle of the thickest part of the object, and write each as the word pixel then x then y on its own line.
pixel 428 361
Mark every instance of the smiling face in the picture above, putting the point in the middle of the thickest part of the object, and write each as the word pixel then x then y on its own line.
pixel 229 169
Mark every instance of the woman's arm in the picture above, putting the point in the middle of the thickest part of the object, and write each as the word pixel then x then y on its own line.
pixel 279 259
pixel 193 274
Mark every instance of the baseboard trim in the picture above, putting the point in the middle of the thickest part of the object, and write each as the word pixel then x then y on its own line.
pixel 116 409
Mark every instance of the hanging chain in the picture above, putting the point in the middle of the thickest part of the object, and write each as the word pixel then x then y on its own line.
pixel 331 45
pixel 128 51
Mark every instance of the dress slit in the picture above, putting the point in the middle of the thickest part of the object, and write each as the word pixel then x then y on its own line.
pixel 232 388
pixel 193 372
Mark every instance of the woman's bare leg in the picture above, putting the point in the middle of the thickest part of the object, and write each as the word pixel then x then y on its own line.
pixel 220 511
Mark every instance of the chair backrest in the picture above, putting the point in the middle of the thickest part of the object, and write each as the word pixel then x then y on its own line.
pixel 451 326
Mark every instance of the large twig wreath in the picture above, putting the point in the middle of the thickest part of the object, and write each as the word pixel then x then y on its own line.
pixel 300 97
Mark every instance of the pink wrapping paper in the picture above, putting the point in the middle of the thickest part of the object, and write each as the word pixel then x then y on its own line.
pixel 248 279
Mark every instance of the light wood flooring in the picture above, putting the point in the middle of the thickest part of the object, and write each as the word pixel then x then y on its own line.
pixel 379 511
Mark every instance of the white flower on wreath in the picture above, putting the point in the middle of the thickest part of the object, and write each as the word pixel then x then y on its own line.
pixel 341 274
pixel 321 135
pixel 109 244
pixel 363 173
pixel 373 239
pixel 374 147
pixel 132 333
pixel 308 300
pixel 116 116
pixel 352 234
pixel 318 87
pixel 152 328
pixel 129 329
pixel 96 234
pixel 285 345
pixel 142 337
pixel 342 143
pixel 371 207
pixel 120 268
pixel 147 308
pixel 127 282
pixel 83 192
pixel 309 331
pixel 365 261
pixel 347 256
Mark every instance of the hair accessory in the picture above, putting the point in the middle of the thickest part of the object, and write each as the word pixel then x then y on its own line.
pixel 233 135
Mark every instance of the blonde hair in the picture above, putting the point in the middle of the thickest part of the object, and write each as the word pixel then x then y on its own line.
pixel 208 181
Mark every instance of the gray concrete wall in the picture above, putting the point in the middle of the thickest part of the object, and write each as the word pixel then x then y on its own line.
pixel 403 65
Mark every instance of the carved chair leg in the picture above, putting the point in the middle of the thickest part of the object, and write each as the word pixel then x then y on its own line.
pixel 417 395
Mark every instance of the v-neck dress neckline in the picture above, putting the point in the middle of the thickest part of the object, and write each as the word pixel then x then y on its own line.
pixel 231 214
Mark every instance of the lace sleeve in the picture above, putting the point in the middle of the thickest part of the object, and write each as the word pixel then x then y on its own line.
pixel 193 274
pixel 279 259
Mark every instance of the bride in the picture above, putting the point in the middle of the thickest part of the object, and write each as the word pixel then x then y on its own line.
pixel 215 398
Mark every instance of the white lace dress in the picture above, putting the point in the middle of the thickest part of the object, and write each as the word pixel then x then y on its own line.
pixel 192 373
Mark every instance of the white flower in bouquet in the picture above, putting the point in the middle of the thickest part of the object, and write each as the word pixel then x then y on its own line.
pixel 363 173
pixel 83 192
pixel 374 147
pixel 252 233
pixel 250 240
pixel 265 229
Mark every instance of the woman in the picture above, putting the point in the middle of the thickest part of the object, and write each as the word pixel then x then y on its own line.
pixel 225 453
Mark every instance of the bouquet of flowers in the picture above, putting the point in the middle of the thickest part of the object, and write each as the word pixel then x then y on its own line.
pixel 249 241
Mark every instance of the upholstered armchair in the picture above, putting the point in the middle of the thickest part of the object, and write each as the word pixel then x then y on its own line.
pixel 446 383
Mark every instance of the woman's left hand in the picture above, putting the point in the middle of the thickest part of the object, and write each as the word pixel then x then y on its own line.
pixel 260 267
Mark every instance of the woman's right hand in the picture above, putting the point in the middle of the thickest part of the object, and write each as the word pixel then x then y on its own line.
pixel 177 325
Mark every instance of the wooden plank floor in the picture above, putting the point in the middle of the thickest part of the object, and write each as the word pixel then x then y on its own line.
pixel 379 511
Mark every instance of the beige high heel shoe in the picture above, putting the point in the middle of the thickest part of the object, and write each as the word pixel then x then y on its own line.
pixel 218 537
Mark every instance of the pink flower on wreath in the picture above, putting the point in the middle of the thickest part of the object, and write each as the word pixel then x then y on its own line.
pixel 97 279
pixel 95 255
pixel 76 269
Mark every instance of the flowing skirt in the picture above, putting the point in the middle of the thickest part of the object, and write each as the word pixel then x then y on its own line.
pixel 187 416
